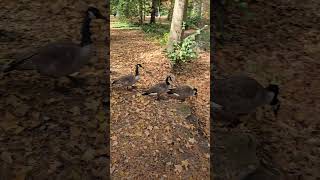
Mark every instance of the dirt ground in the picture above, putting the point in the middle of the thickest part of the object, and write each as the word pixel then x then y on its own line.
pixel 153 139
pixel 280 44
pixel 45 134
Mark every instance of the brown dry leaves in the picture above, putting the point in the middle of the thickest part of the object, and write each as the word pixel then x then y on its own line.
pixel 280 45
pixel 43 129
pixel 149 138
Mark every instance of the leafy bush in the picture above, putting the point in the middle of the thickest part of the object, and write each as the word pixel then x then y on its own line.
pixel 184 51
pixel 156 29
pixel 191 22
pixel 164 39
pixel 157 32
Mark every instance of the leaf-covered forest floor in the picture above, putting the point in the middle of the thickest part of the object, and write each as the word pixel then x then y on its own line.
pixel 46 134
pixel 154 139
pixel 280 44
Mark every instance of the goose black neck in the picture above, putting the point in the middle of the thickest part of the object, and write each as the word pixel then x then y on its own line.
pixel 137 70
pixel 85 31
pixel 167 81
pixel 274 100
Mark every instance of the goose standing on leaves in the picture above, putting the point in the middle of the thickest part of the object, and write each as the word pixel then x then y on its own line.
pixel 240 94
pixel 159 88
pixel 183 92
pixel 128 80
pixel 63 59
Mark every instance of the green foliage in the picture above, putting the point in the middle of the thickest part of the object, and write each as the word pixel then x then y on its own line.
pixel 184 51
pixel 124 24
pixel 156 28
pixel 113 5
pixel 191 22
pixel 157 32
pixel 126 8
pixel 164 39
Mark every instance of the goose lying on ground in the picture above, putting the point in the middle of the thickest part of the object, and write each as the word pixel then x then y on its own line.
pixel 159 89
pixel 183 92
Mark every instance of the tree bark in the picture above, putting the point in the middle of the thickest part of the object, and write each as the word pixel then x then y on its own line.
pixel 176 23
pixel 153 11
pixel 141 11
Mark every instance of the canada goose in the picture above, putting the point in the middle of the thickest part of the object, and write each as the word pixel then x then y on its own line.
pixel 183 92
pixel 240 94
pixel 128 80
pixel 65 58
pixel 159 88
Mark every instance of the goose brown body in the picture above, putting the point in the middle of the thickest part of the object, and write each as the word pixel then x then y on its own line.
pixel 62 58
pixel 183 92
pixel 159 88
pixel 240 94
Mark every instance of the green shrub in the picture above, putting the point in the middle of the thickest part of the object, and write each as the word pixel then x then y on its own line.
pixel 191 22
pixel 184 51
pixel 157 32
pixel 164 39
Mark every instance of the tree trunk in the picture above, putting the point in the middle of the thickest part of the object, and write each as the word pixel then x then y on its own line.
pixel 153 11
pixel 185 16
pixel 144 11
pixel 141 11
pixel 159 6
pixel 170 10
pixel 176 24
pixel 185 13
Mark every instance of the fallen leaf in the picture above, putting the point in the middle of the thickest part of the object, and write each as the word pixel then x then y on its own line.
pixel 92 104
pixel 150 128
pixel 147 133
pixel 75 131
pixel 75 110
pixel 51 100
pixel 178 168
pixel 6 157
pixel 112 169
pixel 139 133
pixel 88 155
pixel 185 163
pixel 192 140
pixel 13 100
pixel 114 138
pixel 53 166
pixel 22 109
pixel 188 145
pixel 114 143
